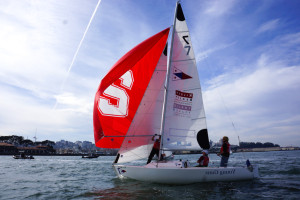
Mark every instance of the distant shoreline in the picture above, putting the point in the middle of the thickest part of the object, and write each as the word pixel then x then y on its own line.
pixel 11 154
pixel 266 149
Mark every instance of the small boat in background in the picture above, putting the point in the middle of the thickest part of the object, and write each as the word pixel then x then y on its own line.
pixel 23 156
pixel 90 156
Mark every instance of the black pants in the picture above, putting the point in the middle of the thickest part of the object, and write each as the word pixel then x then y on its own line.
pixel 153 152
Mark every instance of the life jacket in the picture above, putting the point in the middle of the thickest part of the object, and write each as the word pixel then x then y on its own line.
pixel 203 161
pixel 225 149
pixel 156 144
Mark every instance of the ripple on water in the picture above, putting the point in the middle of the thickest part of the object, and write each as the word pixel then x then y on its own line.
pixel 76 178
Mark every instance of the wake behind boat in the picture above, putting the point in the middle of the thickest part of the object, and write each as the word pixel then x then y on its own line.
pixel 144 95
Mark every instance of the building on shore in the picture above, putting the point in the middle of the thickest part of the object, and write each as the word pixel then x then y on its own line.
pixel 7 149
pixel 10 149
pixel 37 150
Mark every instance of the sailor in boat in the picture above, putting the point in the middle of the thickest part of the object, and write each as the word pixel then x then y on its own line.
pixel 204 159
pixel 155 149
pixel 224 152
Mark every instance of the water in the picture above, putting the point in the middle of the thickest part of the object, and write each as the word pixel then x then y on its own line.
pixel 50 177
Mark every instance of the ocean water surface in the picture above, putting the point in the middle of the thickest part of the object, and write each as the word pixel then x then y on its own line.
pixel 71 177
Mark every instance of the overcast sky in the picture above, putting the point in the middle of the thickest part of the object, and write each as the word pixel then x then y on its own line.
pixel 248 57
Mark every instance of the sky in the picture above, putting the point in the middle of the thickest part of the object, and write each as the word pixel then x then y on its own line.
pixel 248 58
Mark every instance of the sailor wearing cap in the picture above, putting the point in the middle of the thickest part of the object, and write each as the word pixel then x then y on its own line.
pixel 204 159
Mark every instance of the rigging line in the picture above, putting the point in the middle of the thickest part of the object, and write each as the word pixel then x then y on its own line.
pixel 223 102
pixel 126 136
pixel 183 60
pixel 77 50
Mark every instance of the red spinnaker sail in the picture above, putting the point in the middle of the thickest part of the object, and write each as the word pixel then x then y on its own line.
pixel 121 90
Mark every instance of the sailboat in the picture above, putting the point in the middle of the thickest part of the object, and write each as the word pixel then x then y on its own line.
pixel 150 92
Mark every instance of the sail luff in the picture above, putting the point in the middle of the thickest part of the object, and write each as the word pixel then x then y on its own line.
pixel 167 82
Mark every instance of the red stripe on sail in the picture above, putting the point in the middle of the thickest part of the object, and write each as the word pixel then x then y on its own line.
pixel 141 61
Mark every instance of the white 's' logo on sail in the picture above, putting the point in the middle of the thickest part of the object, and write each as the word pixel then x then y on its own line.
pixel 119 94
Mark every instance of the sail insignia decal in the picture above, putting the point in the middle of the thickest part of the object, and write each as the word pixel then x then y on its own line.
pixel 183 103
pixel 179 75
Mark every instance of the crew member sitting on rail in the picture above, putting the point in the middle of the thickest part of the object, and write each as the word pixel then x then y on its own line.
pixel 204 159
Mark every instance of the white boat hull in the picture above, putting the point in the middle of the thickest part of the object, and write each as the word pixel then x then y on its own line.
pixel 177 173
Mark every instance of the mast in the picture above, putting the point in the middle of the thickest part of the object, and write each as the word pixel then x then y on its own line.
pixel 167 84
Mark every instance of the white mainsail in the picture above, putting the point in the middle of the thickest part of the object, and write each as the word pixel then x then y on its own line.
pixel 184 115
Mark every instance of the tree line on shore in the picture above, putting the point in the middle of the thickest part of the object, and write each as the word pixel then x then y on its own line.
pixel 60 147
pixel 20 141
pixel 257 145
